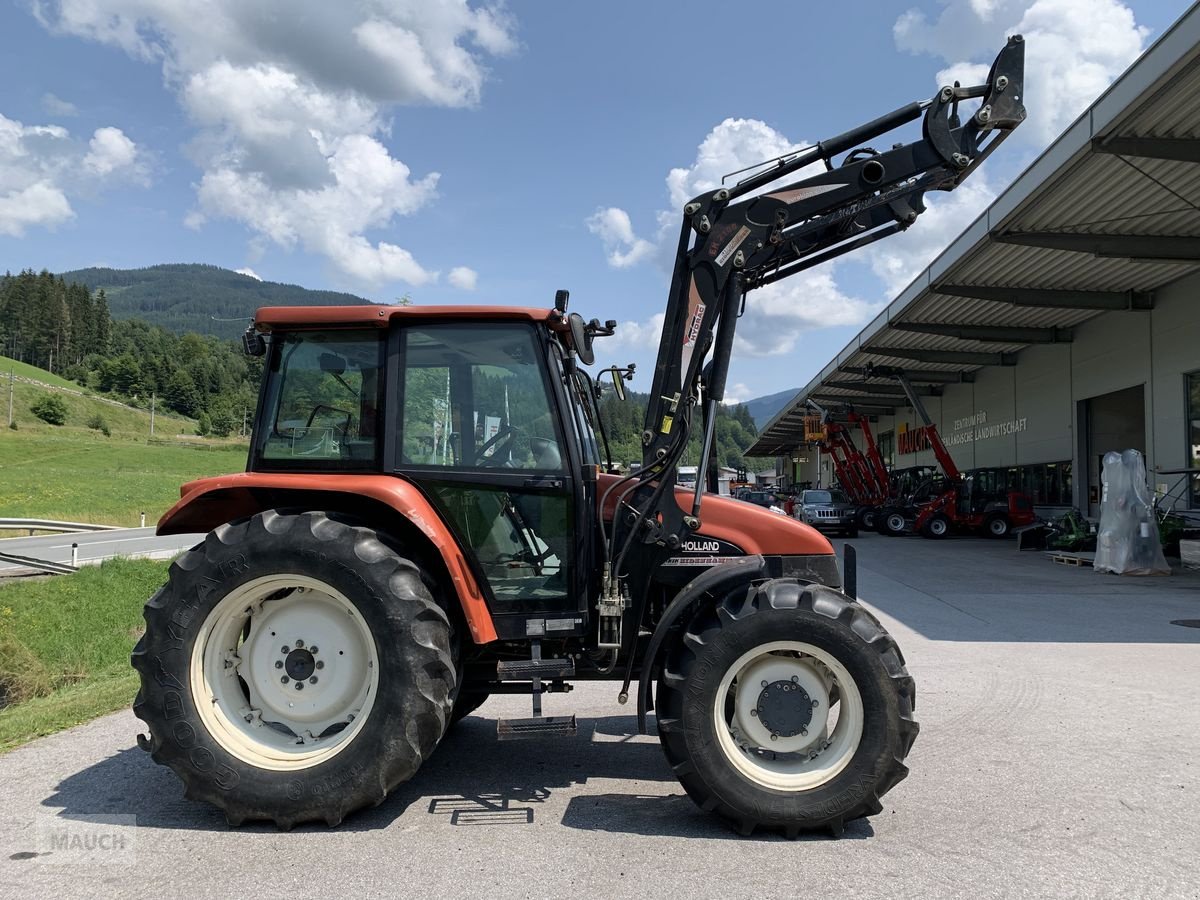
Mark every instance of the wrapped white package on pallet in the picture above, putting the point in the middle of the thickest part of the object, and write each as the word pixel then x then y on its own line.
pixel 1128 541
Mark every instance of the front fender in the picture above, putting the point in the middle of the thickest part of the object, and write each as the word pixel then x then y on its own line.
pixel 721 578
pixel 209 502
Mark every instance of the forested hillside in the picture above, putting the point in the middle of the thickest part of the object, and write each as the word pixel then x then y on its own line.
pixel 192 297
pixel 624 420
pixel 50 323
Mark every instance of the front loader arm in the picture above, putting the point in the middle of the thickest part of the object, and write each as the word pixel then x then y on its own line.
pixel 766 228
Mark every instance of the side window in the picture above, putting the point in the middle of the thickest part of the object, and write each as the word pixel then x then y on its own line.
pixel 475 397
pixel 324 400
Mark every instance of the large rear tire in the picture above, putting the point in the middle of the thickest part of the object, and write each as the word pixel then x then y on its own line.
pixel 787 707
pixel 295 668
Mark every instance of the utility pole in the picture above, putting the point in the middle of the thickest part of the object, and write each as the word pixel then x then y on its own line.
pixel 153 399
pixel 10 395
pixel 245 414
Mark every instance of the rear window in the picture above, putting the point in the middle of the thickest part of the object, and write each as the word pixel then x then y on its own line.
pixel 323 401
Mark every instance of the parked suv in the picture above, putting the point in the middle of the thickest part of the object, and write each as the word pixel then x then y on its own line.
pixel 828 511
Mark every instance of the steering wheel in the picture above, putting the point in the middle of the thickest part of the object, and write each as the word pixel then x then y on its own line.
pixel 503 438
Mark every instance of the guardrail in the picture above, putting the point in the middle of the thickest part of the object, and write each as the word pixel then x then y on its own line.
pixel 52 525
pixel 44 565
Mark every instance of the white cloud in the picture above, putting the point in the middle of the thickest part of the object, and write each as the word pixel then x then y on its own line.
pixel 291 96
pixel 249 273
pixel 614 229
pixel 108 151
pixel 56 106
pixel 1074 50
pixel 40 165
pixel 732 145
pixel 463 278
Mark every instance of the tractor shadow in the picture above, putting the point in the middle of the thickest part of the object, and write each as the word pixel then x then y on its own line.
pixel 472 781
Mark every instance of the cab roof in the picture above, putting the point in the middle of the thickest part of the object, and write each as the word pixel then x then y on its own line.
pixel 268 318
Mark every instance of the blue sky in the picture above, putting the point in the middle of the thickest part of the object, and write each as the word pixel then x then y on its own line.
pixel 477 153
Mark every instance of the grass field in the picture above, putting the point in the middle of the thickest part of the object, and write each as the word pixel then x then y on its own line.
pixel 82 476
pixel 65 644
pixel 78 473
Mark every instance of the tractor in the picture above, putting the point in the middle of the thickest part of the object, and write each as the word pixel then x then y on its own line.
pixel 427 518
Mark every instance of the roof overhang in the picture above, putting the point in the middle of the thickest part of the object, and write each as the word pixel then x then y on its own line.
pixel 1097 223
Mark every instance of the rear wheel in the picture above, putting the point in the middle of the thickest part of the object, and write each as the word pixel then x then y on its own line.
pixel 996 525
pixel 294 668
pixel 936 527
pixel 788 707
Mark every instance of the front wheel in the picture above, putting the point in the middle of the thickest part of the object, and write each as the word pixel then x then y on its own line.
pixel 997 526
pixel 866 518
pixel 294 668
pixel 786 706
pixel 892 522
pixel 936 527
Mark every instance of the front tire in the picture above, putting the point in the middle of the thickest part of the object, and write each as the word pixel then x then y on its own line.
pixel 787 707
pixel 294 668
pixel 997 526
pixel 892 522
pixel 936 527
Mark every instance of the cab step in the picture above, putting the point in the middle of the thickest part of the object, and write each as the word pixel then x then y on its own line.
pixel 526 669
pixel 539 726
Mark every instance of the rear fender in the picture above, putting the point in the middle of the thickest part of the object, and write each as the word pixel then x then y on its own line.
pixel 704 588
pixel 387 502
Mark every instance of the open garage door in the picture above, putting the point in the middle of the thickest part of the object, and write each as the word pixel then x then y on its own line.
pixel 1115 421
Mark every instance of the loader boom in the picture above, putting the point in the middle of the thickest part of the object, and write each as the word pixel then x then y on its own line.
pixel 765 228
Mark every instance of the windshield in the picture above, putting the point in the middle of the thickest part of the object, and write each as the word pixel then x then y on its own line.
pixel 824 497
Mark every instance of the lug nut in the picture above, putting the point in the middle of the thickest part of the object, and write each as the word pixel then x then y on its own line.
pixel 299 685
pixel 320 664
pixel 279 663
pixel 284 680
pixel 299 645
pixel 312 649
pixel 285 649
pixel 313 680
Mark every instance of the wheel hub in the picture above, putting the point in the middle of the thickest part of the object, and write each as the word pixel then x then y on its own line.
pixel 300 664
pixel 784 708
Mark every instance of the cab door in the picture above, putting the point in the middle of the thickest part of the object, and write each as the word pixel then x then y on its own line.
pixel 479 433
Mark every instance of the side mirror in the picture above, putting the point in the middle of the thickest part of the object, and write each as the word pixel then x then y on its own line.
pixel 581 339
pixel 253 343
pixel 618 382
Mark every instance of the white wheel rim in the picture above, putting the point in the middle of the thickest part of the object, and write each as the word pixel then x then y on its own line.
pixel 938 527
pixel 999 527
pixel 895 522
pixel 300 632
pixel 767 687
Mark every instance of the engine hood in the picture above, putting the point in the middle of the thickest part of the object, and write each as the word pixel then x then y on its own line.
pixel 753 529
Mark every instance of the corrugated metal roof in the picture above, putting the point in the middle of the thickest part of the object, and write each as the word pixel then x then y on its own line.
pixel 1072 188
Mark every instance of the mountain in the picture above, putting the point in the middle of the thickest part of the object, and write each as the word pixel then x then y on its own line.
pixel 763 409
pixel 191 297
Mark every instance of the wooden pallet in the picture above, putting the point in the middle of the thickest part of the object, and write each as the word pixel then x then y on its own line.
pixel 1070 559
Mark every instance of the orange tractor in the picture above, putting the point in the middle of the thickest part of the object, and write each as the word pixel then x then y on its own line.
pixel 426 519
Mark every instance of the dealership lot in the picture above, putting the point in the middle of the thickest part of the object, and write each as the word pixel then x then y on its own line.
pixel 1057 758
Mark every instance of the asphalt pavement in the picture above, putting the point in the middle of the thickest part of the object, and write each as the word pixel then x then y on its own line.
pixel 1057 758
pixel 94 546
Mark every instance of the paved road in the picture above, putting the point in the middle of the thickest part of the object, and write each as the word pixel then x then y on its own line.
pixel 95 546
pixel 1057 758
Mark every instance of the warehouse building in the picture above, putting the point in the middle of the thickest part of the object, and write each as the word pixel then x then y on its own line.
pixel 1063 323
